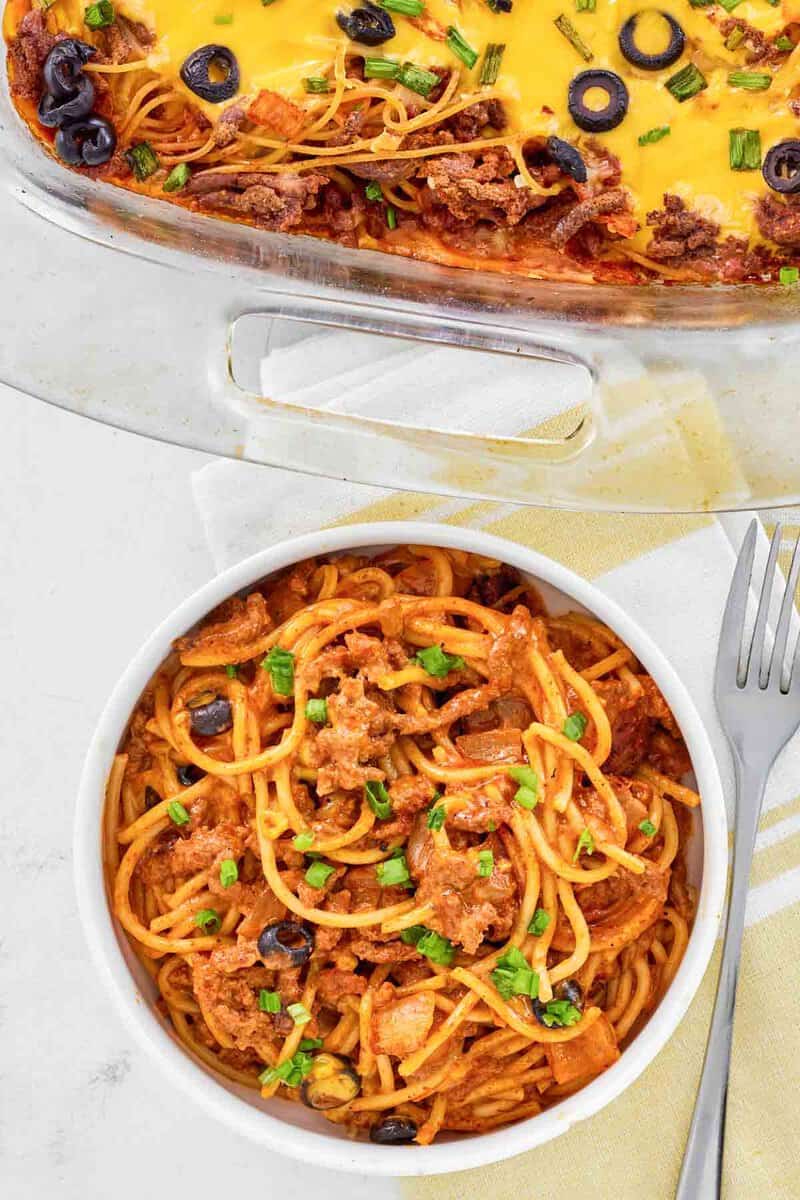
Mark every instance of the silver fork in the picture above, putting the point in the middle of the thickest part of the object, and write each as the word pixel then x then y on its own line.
pixel 758 699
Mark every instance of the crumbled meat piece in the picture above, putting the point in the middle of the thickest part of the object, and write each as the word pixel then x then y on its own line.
pixel 633 794
pixel 668 755
pixel 585 1056
pixel 617 909
pixel 409 795
pixel 275 201
pixel 480 188
pixel 27 52
pixel 289 592
pixel 679 232
pixel 489 588
pixel 384 170
pixel 588 210
pixel 490 803
pixel 631 725
pixel 468 124
pixel 359 730
pixel 756 46
pixel 779 221
pixel 228 125
pixel 400 1026
pixel 232 1005
pixel 333 984
pixel 228 632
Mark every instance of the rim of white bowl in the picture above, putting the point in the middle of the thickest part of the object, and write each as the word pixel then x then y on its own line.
pixel 320 1148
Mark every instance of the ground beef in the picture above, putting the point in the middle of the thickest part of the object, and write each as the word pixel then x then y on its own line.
pixel 276 202
pixel 585 211
pixel 631 725
pixel 490 587
pixel 229 124
pixel 779 221
pixel 384 170
pixel 27 53
pixel 756 46
pixel 680 233
pixel 480 188
pixel 468 124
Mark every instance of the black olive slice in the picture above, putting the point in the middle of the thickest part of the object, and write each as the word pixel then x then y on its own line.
pixel 567 158
pixel 393 1131
pixel 369 25
pixel 196 73
pixel 189 774
pixel 781 167
pixel 330 1083
pixel 651 62
pixel 212 717
pixel 571 990
pixel 63 66
pixel 89 142
pixel 53 111
pixel 289 939
pixel 597 120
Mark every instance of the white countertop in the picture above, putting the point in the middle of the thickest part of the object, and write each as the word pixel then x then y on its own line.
pixel 99 540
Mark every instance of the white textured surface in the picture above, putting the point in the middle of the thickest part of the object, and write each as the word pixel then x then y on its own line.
pixel 99 539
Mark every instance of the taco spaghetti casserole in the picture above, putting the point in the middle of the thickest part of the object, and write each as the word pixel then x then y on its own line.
pixel 394 842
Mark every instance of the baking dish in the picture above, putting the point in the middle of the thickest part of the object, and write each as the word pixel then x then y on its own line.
pixel 293 1129
pixel 692 389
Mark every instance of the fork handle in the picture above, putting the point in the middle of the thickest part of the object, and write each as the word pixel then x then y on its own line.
pixel 701 1173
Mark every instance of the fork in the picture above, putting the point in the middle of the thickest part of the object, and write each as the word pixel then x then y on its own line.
pixel 757 691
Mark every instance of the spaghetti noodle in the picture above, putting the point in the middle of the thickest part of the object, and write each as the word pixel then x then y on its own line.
pixel 392 841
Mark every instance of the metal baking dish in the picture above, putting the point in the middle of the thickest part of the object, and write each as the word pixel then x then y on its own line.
pixel 693 403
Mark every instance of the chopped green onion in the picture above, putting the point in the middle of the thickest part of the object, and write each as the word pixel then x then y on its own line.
pixel 373 191
pixel 310 1044
pixel 224 19
pixel 303 841
pixel 492 58
pixel 413 934
pixel 702 3
pixel 378 799
pixel 208 920
pixel 526 798
pixel 585 842
pixel 299 1013
pixel 280 665
pixel 491 826
pixel 686 83
pixel 585 5
pixel 228 872
pixel 526 776
pixel 565 27
pixel 575 726
pixel 417 79
pixel 485 863
pixel 269 1001
pixel 178 178
pixel 393 872
pixel 292 1072
pixel 381 68
pixel 391 216
pixel 653 135
pixel 783 43
pixel 735 38
pixel 751 81
pixel 541 919
pixel 559 1013
pixel 316 84
pixel 437 663
pixel 460 47
pixel 318 874
pixel 744 149
pixel 514 976
pixel 409 8
pixel 142 160
pixel 317 711
pixel 99 16
pixel 177 813
pixel 730 5
pixel 436 817
pixel 230 669
pixel 435 947
pixel 648 828
pixel 789 275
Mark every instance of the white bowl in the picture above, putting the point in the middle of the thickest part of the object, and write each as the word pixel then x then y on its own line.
pixel 290 1128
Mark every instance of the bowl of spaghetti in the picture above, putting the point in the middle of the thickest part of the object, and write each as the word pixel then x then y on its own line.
pixel 389 848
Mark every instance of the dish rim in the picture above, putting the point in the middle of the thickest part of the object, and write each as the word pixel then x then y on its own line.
pixel 321 1148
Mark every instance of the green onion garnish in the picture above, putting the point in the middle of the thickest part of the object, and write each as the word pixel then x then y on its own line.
pixel 526 798
pixel 318 874
pixel 416 79
pixel 436 662
pixel 393 872
pixel 378 799
pixel 541 919
pixel 702 3
pixel 409 8
pixel 585 842
pixel 317 711
pixel 491 826
pixel 653 135
pixel 485 863
pixel 436 817
pixel 292 1072
pixel 208 920
pixel 782 43
pixel 435 947
pixel 228 872
pixel 178 178
pixel 280 665
pixel 734 38
pixel 514 976
pixel 585 5
pixel 316 84
pixel 565 27
pixel 461 48
pixel 224 19
pixel 789 275
pixel 230 669
pixel 526 776
pixel 575 726
pixel 381 68
pixel 751 81
pixel 142 160
pixel 744 149
pixel 303 841
pixel 177 813
pixel 99 16
pixel 373 191
pixel 269 1001
pixel 686 83
pixel 493 56
pixel 730 5
pixel 648 828
pixel 559 1013
pixel 299 1013
pixel 310 1044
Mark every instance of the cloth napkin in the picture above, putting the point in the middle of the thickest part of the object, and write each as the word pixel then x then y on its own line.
pixel 671 574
